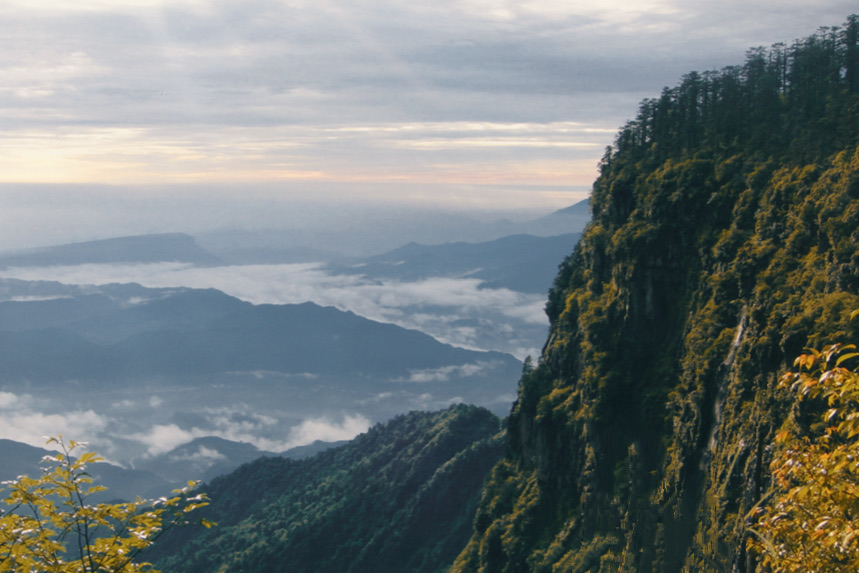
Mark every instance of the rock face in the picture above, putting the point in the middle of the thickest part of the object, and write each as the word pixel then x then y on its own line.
pixel 723 241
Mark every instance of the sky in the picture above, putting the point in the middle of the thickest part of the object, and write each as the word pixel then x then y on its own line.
pixel 134 116
pixel 121 117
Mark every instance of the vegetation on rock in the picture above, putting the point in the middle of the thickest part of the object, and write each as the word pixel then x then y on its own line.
pixel 724 239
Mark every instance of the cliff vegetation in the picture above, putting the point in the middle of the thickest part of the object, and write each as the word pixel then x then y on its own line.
pixel 724 240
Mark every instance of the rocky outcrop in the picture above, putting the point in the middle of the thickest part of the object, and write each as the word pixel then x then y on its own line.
pixel 643 437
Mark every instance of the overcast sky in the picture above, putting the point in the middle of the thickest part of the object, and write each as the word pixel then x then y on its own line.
pixel 144 114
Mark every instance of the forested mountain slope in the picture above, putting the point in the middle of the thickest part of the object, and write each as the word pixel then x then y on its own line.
pixel 399 498
pixel 724 239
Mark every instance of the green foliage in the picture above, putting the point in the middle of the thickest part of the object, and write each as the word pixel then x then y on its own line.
pixel 723 241
pixel 811 523
pixel 48 525
pixel 401 497
pixel 801 98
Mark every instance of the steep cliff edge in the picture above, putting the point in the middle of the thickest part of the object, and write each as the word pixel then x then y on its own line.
pixel 724 239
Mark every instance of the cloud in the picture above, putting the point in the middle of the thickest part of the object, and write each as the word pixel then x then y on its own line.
pixel 327 430
pixel 445 373
pixel 7 399
pixel 24 418
pixel 454 310
pixel 202 454
pixel 162 438
pixel 21 421
pixel 374 91
pixel 240 424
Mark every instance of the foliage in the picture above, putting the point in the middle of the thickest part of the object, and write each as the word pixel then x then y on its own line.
pixel 812 522
pixel 808 88
pixel 399 498
pixel 723 241
pixel 48 525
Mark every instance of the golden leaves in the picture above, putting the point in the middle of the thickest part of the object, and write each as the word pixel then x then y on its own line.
pixel 48 512
pixel 809 524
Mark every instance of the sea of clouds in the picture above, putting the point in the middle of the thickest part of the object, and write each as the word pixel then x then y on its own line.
pixel 453 310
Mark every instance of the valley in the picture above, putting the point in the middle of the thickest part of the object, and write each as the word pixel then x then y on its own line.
pixel 147 345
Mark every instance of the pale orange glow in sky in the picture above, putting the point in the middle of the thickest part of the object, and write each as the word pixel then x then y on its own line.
pixel 225 106
pixel 459 153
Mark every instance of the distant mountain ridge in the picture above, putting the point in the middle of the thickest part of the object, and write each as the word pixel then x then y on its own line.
pixel 200 459
pixel 368 237
pixel 523 263
pixel 156 248
pixel 291 245
pixel 294 338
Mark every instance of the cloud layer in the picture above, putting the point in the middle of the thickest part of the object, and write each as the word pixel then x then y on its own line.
pixel 392 101
pixel 454 310
pixel 28 419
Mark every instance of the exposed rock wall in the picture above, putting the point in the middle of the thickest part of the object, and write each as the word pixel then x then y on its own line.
pixel 643 437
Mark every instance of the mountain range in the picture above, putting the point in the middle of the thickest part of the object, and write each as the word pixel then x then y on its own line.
pixel 200 459
pixel 116 333
pixel 153 368
pixel 522 263
pixel 366 237
pixel 172 247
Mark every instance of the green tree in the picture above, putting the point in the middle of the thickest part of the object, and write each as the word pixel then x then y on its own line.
pixel 47 525
pixel 811 522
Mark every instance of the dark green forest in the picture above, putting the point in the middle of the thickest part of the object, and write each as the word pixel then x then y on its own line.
pixel 399 498
pixel 724 239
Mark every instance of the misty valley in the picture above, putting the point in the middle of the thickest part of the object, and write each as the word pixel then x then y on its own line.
pixel 90 345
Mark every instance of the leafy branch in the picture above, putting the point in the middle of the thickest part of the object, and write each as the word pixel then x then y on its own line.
pixel 46 514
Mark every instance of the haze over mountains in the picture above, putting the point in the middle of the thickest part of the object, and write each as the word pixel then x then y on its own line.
pixel 189 363
pixel 367 236
pixel 122 345
pixel 523 263
pixel 177 247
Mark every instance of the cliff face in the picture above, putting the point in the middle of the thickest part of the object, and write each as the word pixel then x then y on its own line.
pixel 724 239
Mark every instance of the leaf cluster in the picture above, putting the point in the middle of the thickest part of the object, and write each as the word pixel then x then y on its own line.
pixel 811 521
pixel 49 526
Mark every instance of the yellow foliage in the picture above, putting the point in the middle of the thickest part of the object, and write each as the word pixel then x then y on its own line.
pixel 811 522
pixel 48 526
